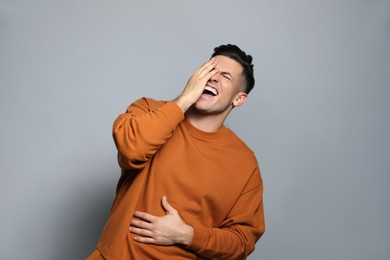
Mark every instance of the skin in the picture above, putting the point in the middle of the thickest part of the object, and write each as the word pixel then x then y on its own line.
pixel 207 113
pixel 166 230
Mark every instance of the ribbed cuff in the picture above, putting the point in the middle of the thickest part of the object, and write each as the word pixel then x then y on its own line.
pixel 173 112
pixel 200 238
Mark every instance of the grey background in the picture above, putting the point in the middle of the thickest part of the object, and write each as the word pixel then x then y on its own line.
pixel 318 118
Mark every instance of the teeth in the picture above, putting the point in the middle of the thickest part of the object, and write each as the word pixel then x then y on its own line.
pixel 212 90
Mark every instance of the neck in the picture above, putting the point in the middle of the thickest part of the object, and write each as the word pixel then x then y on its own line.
pixel 205 122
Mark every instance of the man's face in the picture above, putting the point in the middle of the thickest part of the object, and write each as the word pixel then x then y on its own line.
pixel 223 89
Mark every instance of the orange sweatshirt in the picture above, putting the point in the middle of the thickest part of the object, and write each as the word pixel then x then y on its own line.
pixel 212 179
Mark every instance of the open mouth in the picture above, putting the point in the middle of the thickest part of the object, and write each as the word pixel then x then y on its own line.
pixel 210 91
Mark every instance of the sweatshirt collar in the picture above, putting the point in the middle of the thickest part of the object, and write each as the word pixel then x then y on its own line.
pixel 202 134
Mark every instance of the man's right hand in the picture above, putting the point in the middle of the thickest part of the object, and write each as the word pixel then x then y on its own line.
pixel 196 84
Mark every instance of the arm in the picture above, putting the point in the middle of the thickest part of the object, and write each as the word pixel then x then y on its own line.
pixel 145 127
pixel 140 132
pixel 235 238
pixel 237 235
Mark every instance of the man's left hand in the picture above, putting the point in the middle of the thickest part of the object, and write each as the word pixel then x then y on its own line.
pixel 166 230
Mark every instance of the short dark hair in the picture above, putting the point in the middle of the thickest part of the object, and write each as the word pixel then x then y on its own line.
pixel 234 52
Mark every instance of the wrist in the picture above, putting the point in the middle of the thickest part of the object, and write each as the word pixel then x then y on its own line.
pixel 182 103
pixel 187 235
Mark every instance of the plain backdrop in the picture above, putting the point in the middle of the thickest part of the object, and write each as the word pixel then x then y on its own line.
pixel 318 118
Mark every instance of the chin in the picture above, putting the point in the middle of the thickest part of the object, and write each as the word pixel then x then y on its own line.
pixel 201 109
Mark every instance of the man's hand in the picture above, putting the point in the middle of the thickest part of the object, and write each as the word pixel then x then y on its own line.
pixel 166 230
pixel 196 84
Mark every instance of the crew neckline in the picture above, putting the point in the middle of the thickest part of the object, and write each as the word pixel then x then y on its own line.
pixel 203 134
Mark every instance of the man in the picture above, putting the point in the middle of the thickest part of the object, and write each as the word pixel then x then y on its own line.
pixel 181 151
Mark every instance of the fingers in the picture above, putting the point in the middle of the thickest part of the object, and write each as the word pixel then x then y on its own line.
pixel 207 66
pixel 145 240
pixel 144 235
pixel 207 69
pixel 143 229
pixel 144 216
pixel 167 207
pixel 140 224
pixel 140 231
pixel 212 73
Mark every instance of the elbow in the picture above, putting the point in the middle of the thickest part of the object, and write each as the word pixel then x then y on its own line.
pixel 127 144
pixel 249 243
pixel 128 163
pixel 130 154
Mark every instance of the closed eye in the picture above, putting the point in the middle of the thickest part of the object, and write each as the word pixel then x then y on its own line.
pixel 227 75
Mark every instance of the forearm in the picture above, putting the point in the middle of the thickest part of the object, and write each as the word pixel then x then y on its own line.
pixel 183 103
pixel 236 236
pixel 230 243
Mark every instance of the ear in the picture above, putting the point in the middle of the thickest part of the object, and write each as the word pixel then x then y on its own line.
pixel 240 99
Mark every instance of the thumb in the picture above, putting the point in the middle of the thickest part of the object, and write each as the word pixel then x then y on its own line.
pixel 167 207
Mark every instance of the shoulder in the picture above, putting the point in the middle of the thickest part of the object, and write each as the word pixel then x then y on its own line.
pixel 146 104
pixel 248 162
pixel 243 150
pixel 238 141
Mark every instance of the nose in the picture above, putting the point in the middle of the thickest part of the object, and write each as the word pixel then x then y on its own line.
pixel 215 78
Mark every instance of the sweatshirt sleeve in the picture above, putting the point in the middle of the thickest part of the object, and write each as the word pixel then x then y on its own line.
pixel 140 132
pixel 241 229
